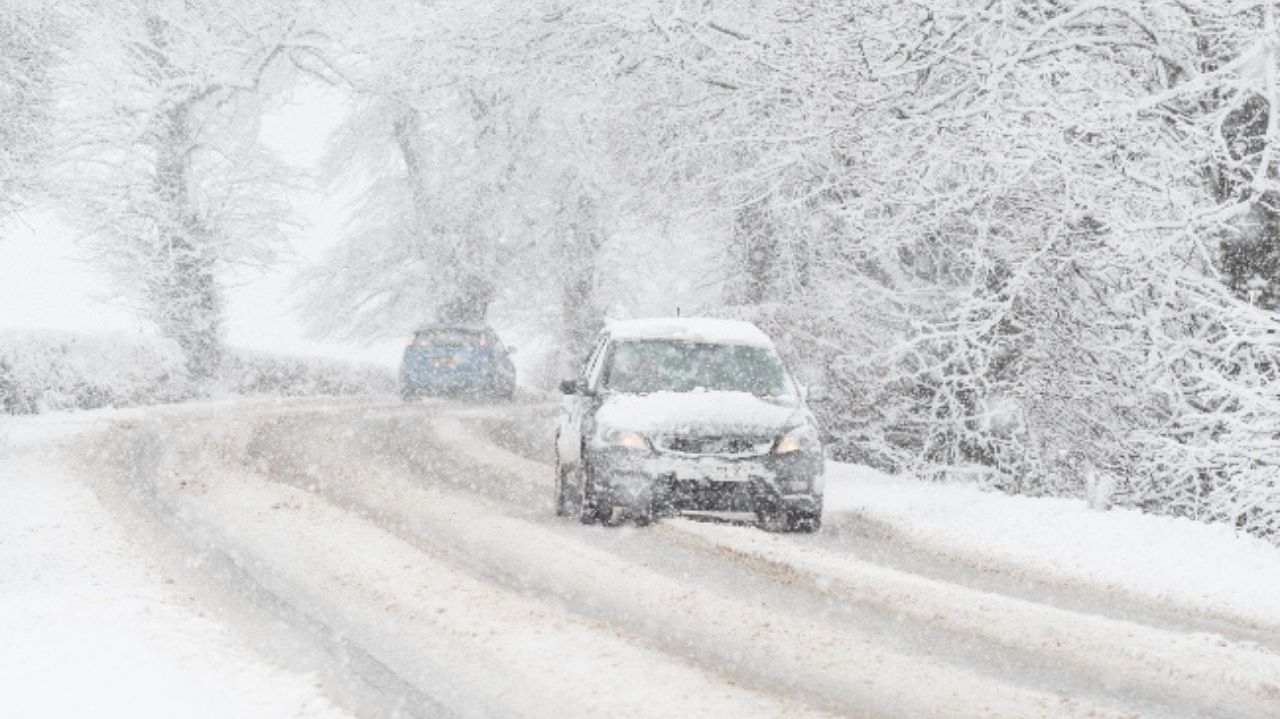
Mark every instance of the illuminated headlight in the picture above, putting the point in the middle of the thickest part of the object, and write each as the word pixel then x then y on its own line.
pixel 610 437
pixel 801 439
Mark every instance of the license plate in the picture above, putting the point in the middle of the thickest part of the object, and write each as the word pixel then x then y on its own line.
pixel 443 362
pixel 717 473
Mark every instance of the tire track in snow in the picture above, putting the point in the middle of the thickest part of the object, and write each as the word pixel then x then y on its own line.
pixel 131 454
pixel 790 655
pixel 1190 673
pixel 1186 670
pixel 847 533
pixel 491 653
pixel 851 535
pixel 433 535
pixel 502 654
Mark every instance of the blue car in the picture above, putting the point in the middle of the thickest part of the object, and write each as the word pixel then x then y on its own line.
pixel 456 360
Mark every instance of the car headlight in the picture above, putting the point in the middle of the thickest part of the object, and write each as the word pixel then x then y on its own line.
pixel 801 439
pixel 622 438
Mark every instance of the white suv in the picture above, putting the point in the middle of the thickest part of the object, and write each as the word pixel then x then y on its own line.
pixel 687 414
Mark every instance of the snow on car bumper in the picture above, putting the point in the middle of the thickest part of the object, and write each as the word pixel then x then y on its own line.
pixel 709 482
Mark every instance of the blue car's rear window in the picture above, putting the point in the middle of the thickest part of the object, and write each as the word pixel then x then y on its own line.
pixel 450 338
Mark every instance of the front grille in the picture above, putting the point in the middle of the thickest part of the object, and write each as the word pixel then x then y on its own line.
pixel 712 496
pixel 733 445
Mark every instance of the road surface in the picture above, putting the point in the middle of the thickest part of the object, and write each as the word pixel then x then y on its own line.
pixel 408 555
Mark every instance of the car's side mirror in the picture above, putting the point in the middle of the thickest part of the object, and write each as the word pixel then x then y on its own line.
pixel 817 393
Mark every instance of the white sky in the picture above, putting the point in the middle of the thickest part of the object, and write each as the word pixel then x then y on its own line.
pixel 47 282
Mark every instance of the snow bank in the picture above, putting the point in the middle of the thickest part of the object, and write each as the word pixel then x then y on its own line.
pixel 1177 561
pixel 256 373
pixel 43 371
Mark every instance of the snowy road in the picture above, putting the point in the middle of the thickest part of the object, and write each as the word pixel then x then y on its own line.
pixel 408 556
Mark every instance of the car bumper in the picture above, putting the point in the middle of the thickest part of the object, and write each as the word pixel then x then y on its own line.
pixel 443 382
pixel 709 483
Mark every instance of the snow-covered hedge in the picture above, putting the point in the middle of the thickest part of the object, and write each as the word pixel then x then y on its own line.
pixel 1046 391
pixel 46 371
pixel 43 371
pixel 261 373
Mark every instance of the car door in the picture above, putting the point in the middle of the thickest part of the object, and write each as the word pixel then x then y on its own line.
pixel 575 409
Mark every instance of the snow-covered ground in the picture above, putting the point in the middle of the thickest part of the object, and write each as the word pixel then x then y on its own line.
pixel 1208 568
pixel 428 546
pixel 90 626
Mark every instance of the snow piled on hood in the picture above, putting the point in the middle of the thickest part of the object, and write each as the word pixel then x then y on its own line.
pixel 661 412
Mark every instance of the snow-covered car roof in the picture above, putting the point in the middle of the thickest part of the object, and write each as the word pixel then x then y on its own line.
pixel 690 329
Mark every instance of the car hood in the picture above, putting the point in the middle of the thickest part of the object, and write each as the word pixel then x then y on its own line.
pixel 699 413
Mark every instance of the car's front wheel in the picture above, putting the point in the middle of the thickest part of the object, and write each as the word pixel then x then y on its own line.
pixel 592 507
pixel 564 500
pixel 788 519
pixel 804 522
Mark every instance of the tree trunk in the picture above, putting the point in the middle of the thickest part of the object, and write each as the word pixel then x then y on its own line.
pixel 184 297
pixel 756 254
pixel 457 267
pixel 580 239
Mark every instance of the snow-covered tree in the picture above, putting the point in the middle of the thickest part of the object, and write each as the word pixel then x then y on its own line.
pixel 1029 241
pixel 1020 235
pixel 482 152
pixel 159 154
pixel 31 42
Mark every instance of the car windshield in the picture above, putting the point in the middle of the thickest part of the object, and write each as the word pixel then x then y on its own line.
pixel 644 366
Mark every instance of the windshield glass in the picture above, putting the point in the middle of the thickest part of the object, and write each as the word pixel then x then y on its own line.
pixel 644 366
